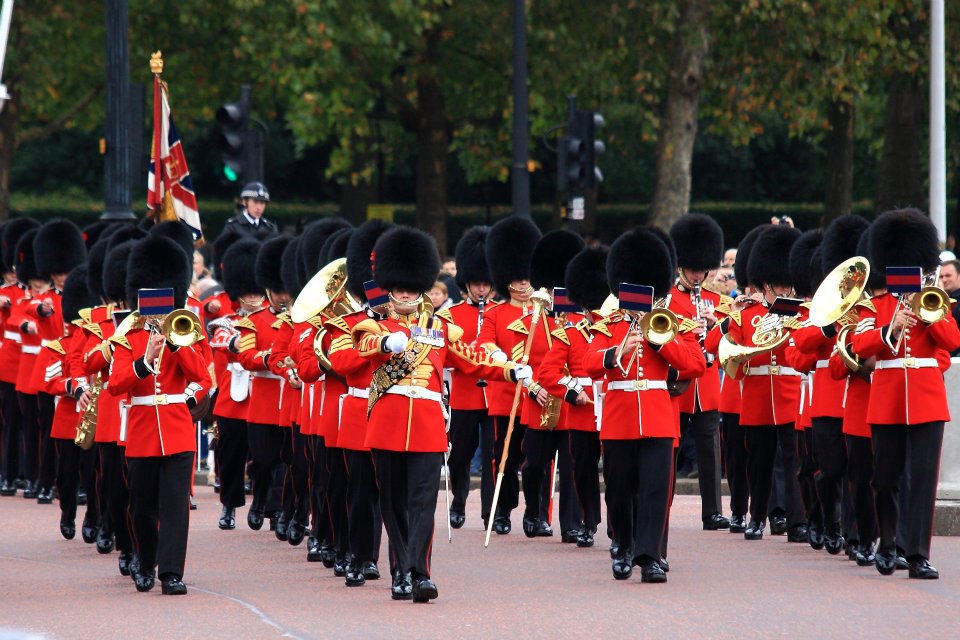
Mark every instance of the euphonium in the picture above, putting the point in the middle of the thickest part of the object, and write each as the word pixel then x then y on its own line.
pixel 181 328
pixel 326 293
pixel 86 428
pixel 840 291
pixel 851 360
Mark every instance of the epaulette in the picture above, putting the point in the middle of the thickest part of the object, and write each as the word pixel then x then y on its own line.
pixel 54 345
pixel 246 342
pixel 367 325
pixel 561 334
pixel 316 322
pixel 285 318
pixel 245 323
pixel 735 317
pixel 86 315
pixel 687 325
pixel 805 305
pixel 600 326
pixel 867 303
pixel 445 314
pixel 724 306
pixel 338 323
pixel 122 341
pixel 77 323
pixel 584 328
pixel 518 326
pixel 94 328
pixel 454 333
pixel 792 323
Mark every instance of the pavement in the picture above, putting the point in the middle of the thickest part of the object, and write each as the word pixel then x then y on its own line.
pixel 247 584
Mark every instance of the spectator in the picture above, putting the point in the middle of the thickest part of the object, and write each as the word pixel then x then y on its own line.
pixel 950 282
pixel 724 281
pixel 730 257
pixel 449 267
pixel 439 296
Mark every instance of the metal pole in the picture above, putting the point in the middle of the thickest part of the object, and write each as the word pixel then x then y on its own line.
pixel 519 175
pixel 116 177
pixel 938 122
pixel 6 14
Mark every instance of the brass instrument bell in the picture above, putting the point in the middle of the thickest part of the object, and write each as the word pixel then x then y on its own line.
pixel 181 328
pixel 326 293
pixel 839 293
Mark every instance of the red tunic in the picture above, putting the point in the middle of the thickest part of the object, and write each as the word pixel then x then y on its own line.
pixel 328 387
pixel 226 366
pixel 278 361
pixel 464 392
pixel 495 335
pixel 29 380
pixel 356 371
pixel 62 360
pixel 10 348
pixel 562 373
pixel 97 357
pixel 703 391
pixel 827 392
pixel 257 332
pixel 856 398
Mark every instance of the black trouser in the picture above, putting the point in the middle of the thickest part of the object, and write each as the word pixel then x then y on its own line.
pixel 540 447
pixel 337 500
pixel 890 457
pixel 363 513
pixel 12 427
pixel 736 459
pixel 113 481
pixel 296 501
pixel 831 452
pixel 265 443
pixel 706 432
pixel 70 461
pixel 807 478
pixel 585 451
pixel 319 478
pixel 409 483
pixel 465 426
pixel 48 448
pixel 488 479
pixel 638 475
pixel 510 488
pixel 232 447
pixel 31 436
pixel 761 450
pixel 859 473
pixel 160 510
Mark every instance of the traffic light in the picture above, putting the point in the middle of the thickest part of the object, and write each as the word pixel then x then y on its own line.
pixel 233 118
pixel 577 154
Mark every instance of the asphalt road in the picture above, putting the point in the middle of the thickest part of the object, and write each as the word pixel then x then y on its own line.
pixel 246 584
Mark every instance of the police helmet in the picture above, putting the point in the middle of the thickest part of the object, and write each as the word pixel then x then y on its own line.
pixel 255 190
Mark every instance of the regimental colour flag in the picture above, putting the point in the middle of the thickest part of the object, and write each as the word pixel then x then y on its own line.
pixel 170 193
pixel 635 297
pixel 904 279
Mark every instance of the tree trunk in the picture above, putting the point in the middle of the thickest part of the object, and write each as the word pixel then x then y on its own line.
pixel 433 145
pixel 678 124
pixel 8 144
pixel 900 183
pixel 354 198
pixel 838 199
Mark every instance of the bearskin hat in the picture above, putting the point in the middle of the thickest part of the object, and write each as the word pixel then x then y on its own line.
pixel 314 236
pixel 25 261
pixel 95 259
pixel 360 255
pixel 289 267
pixel 817 274
pixel 553 253
pixel 509 246
pixel 471 257
pixel 93 232
pixel 115 272
pixel 126 232
pixel 767 264
pixel 335 247
pixel 406 258
pixel 877 279
pixel 268 264
pixel 59 247
pixel 904 238
pixel 239 268
pixel 840 240
pixel 699 242
pixel 800 255
pixel 586 277
pixel 640 257
pixel 76 295
pixel 743 255
pixel 157 262
pixel 13 230
pixel 668 241
pixel 177 231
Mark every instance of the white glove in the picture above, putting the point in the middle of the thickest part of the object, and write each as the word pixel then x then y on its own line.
pixel 396 342
pixel 523 373
pixel 498 356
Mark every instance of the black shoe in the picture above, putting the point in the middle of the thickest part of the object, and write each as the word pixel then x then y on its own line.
pixel 254 519
pixel 353 576
pixel 754 530
pixel 457 518
pixel 833 542
pixel 402 587
pixel 715 522
pixel 622 568
pixel 370 570
pixel 530 526
pixel 502 525
pixel 228 518
pixel 8 489
pixel 216 484
pixel 651 571
pixel 424 590
pixel 45 496
pixel 123 562
pixel 614 549
pixel 30 490
pixel 313 550
pixel 886 562
pixel 281 529
pixel 68 529
pixel 797 533
pixel 815 537
pixel 920 569
pixel 295 533
pixel 570 535
pixel 664 565
pixel 172 586
pixel 544 530
pixel 89 532
pixel 738 524
pixel 778 525
pixel 901 562
pixel 327 555
pixel 585 539
pixel 193 507
pixel 104 541
pixel 865 556
pixel 340 566
pixel 144 581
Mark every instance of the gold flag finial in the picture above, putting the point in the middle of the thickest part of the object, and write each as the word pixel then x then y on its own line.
pixel 156 63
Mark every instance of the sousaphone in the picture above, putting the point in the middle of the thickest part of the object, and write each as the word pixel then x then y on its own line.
pixel 326 294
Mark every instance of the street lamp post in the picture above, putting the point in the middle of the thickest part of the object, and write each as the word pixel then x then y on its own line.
pixel 116 176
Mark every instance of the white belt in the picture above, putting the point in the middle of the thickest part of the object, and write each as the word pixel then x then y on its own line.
pixel 269 375
pixel 583 382
pixel 32 349
pixel 415 393
pixel 11 335
pixel 637 385
pixel 772 370
pixel 358 393
pixel 908 363
pixel 823 364
pixel 158 400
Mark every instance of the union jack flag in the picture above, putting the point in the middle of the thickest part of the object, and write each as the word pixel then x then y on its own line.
pixel 171 197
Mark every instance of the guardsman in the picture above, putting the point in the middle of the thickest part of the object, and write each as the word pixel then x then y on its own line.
pixel 699 243
pixel 908 402
pixel 160 444
pixel 470 424
pixel 509 248
pixel 407 425
pixel 638 425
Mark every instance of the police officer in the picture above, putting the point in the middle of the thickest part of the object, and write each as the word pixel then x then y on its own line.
pixel 250 220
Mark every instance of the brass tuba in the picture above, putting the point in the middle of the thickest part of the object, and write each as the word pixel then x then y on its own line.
pixel 87 427
pixel 181 328
pixel 852 360
pixel 839 293
pixel 325 294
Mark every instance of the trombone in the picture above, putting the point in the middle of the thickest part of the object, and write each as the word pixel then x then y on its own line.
pixel 930 304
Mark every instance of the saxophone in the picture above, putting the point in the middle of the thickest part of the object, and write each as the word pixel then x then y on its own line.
pixel 88 421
